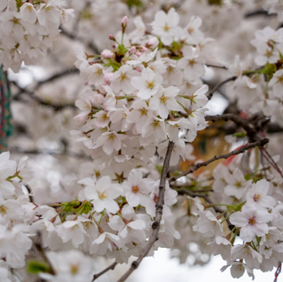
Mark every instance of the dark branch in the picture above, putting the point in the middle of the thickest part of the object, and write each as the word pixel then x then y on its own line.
pixel 37 152
pixel 111 267
pixel 217 67
pixel 219 85
pixel 158 215
pixel 225 156
pixel 89 44
pixel 193 195
pixel 259 13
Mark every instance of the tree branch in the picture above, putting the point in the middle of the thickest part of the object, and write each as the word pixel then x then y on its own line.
pixel 193 195
pixel 158 215
pixel 225 156
pixel 259 12
pixel 89 44
pixel 111 267
pixel 219 85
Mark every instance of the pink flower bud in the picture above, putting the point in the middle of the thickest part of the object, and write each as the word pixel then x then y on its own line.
pixel 152 43
pixel 111 37
pixel 138 54
pixel 133 50
pixel 143 49
pixel 107 78
pixel 124 22
pixel 107 54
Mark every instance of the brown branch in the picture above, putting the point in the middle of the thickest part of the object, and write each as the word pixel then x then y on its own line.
pixel 37 152
pixel 71 36
pixel 193 195
pixel 225 156
pixel 217 67
pixel 259 12
pixel 39 247
pixel 239 121
pixel 271 161
pixel 111 267
pixel 219 85
pixel 158 215
pixel 56 107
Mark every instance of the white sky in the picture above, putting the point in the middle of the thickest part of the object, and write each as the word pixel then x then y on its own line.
pixel 164 269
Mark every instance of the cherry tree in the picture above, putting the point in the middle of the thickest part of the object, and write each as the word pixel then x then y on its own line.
pixel 120 146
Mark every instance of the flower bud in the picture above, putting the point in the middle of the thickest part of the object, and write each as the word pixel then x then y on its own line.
pixel 111 37
pixel 107 54
pixel 133 50
pixel 152 43
pixel 124 22
pixel 138 54
pixel 143 49
pixel 107 78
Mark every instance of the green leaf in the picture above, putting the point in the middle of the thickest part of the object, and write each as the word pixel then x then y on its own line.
pixel 215 2
pixel 122 50
pixel 240 134
pixel 132 3
pixel 36 267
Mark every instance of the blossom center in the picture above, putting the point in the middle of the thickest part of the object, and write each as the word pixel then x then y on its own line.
pixel 86 106
pixel 156 124
pixel 192 62
pixel 74 269
pixel 3 210
pixel 257 197
pixel 238 184
pixel 166 27
pixel 101 196
pixel 268 53
pixel 190 30
pixel 143 111
pixel 123 76
pixel 280 79
pixel 150 84
pixel 135 189
pixel 98 72
pixel 252 221
pixel 164 99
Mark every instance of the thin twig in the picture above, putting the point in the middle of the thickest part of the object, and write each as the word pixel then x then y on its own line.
pixel 158 215
pixel 271 161
pixel 217 67
pixel 278 271
pixel 89 44
pixel 192 194
pixel 111 267
pixel 239 121
pixel 37 152
pixel 219 85
pixel 225 156
pixel 39 247
pixel 260 12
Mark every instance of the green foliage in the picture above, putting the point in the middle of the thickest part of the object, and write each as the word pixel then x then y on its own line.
pixel 122 50
pixel 111 63
pixel 240 134
pixel 19 4
pixel 269 70
pixel 134 3
pixel 215 2
pixel 35 267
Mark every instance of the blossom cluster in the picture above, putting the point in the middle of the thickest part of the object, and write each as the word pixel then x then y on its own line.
pixel 138 98
pixel 16 213
pixel 143 92
pixel 27 29
pixel 252 213
pixel 261 90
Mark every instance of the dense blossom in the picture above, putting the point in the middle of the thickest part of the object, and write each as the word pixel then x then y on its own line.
pixel 147 87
